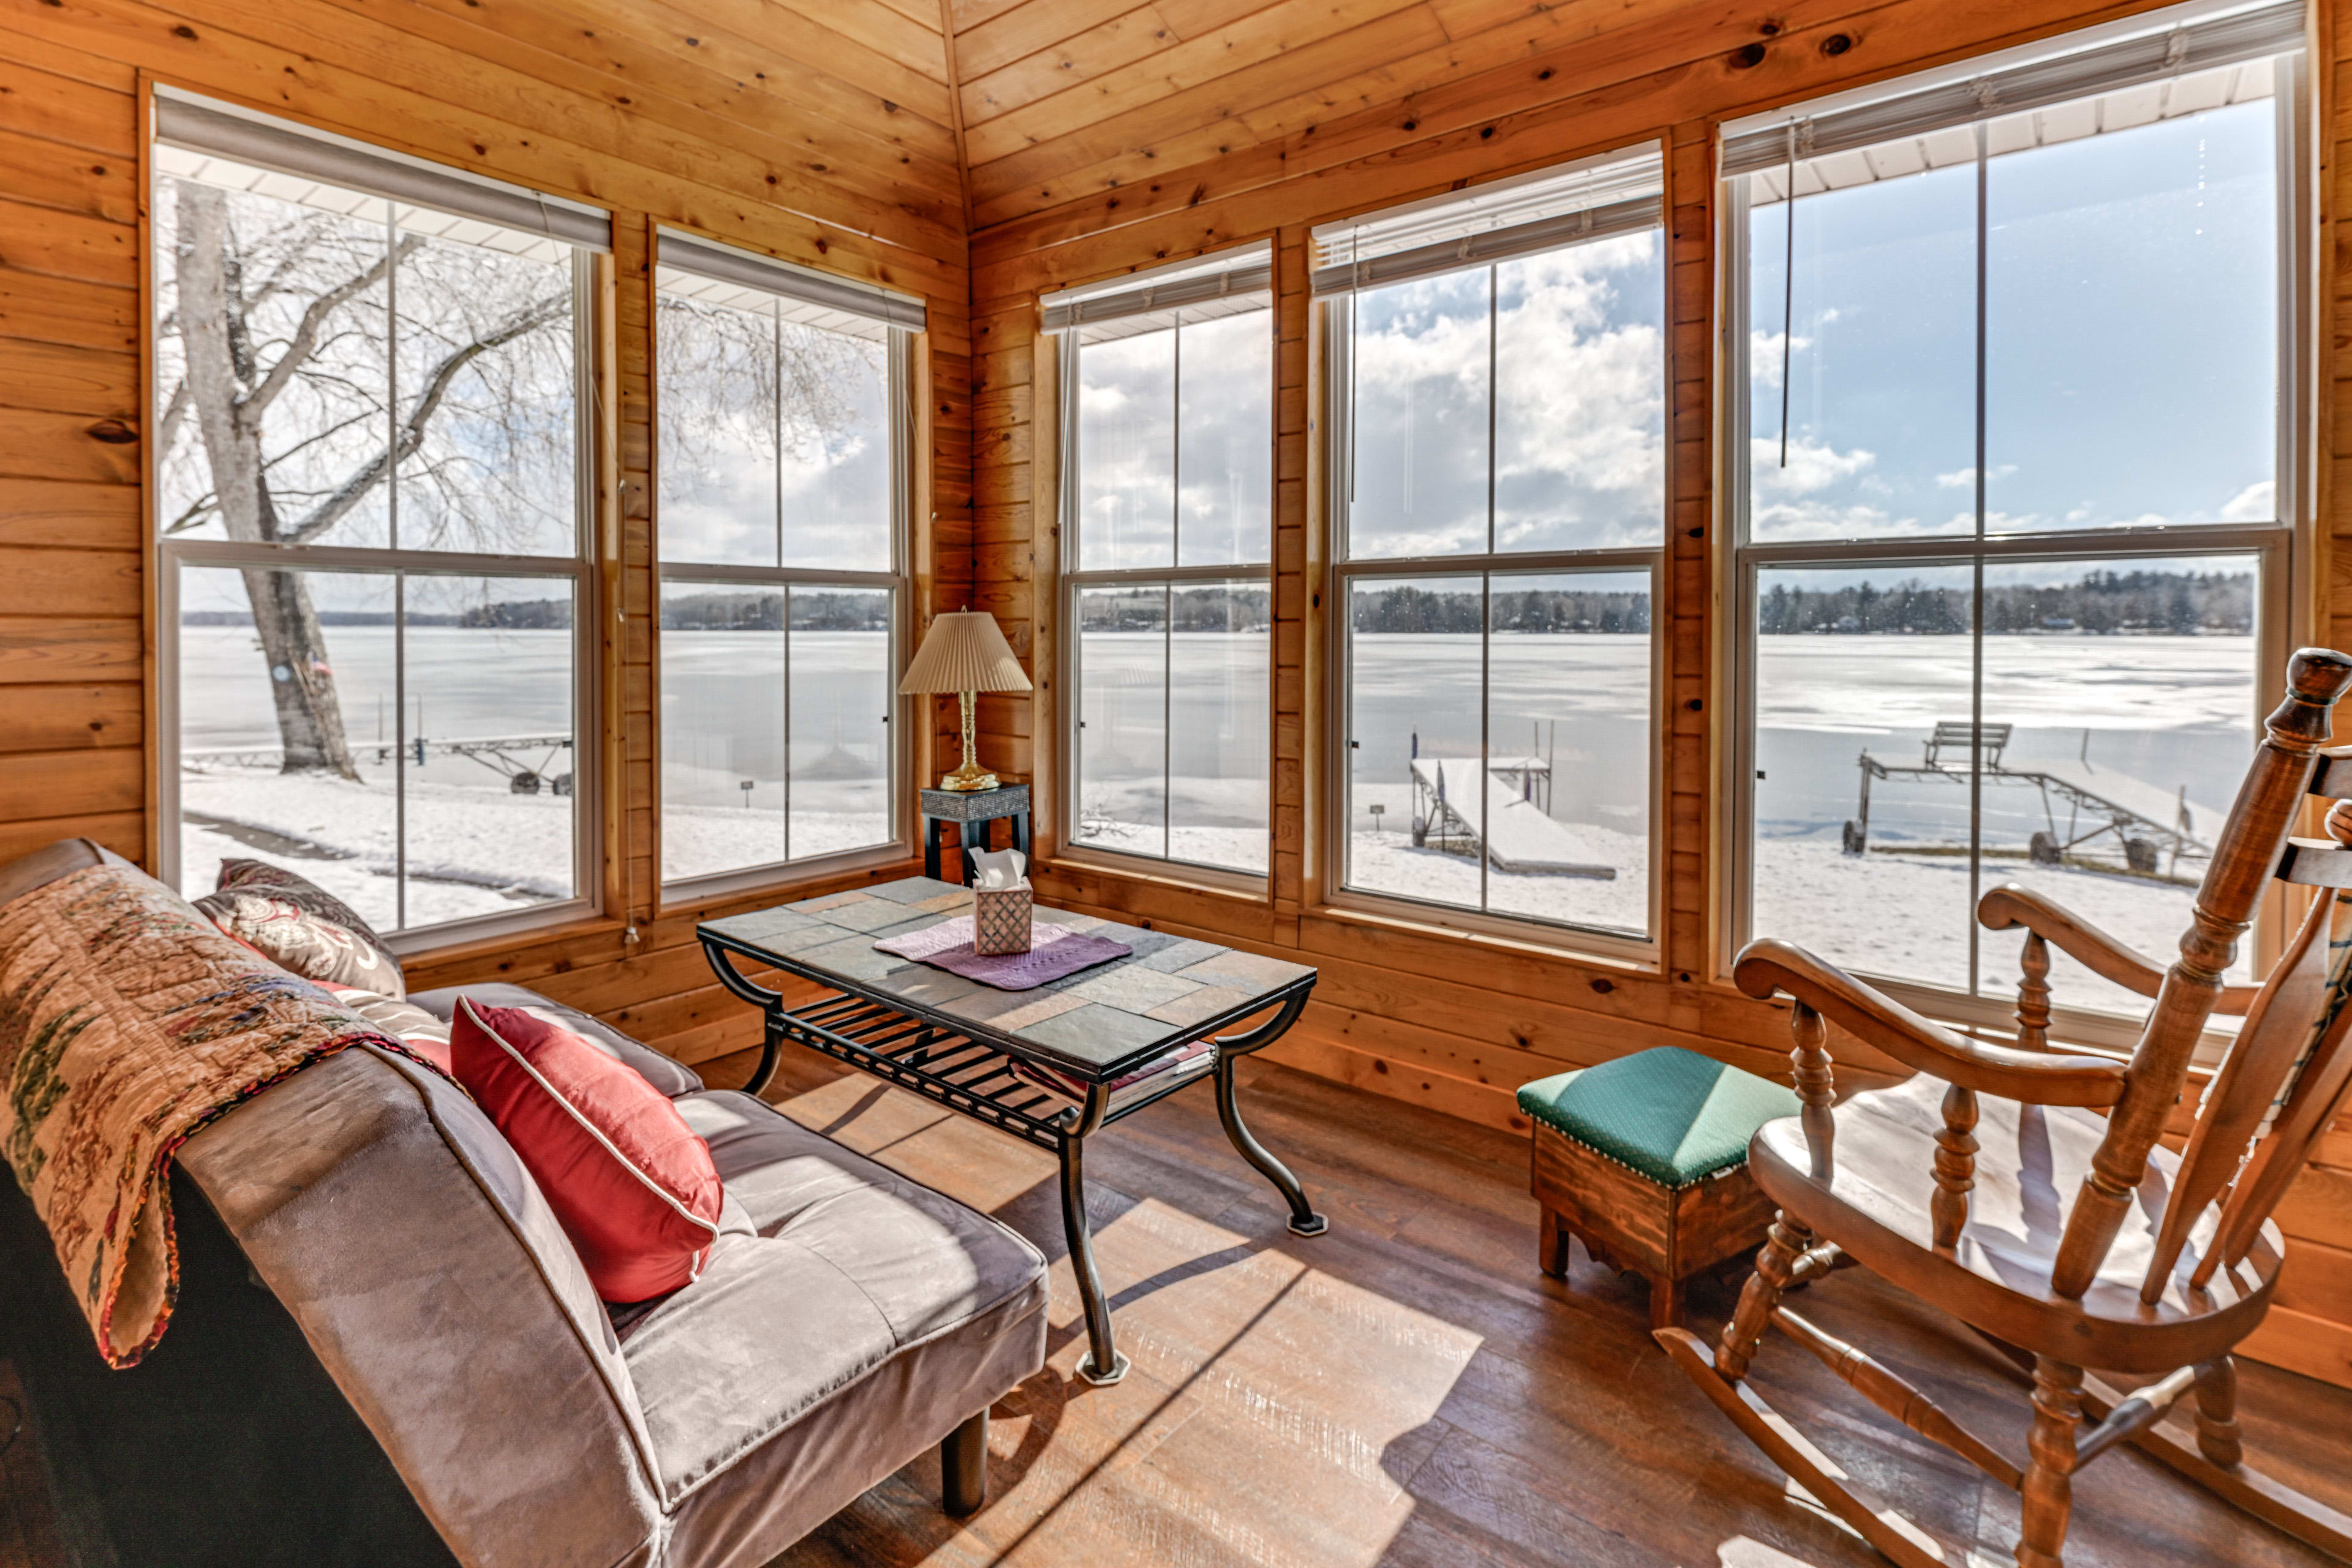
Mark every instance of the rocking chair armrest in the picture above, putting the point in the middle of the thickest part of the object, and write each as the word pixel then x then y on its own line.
pixel 2108 957
pixel 2031 1076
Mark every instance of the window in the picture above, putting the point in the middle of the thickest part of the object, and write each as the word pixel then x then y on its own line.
pixel 1497 370
pixel 783 410
pixel 368 449
pixel 1167 459
pixel 2014 517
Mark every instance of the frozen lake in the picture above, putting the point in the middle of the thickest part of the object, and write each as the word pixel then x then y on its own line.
pixel 2173 714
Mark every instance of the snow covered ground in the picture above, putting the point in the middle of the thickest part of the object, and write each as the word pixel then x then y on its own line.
pixel 472 851
pixel 1907 916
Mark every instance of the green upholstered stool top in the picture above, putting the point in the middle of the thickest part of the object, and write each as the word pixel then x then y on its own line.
pixel 1669 1114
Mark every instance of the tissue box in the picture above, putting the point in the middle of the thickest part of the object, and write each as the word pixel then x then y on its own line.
pixel 1000 919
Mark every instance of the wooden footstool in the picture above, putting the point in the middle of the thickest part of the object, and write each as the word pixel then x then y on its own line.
pixel 1644 1160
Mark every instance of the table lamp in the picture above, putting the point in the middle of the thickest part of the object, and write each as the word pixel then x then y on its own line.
pixel 964 653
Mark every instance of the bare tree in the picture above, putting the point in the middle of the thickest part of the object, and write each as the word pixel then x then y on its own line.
pixel 328 369
pixel 278 304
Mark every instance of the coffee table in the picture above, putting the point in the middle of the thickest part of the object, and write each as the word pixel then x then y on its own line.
pixel 956 1041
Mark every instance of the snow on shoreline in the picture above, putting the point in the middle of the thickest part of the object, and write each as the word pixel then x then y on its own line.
pixel 471 851
pixel 475 851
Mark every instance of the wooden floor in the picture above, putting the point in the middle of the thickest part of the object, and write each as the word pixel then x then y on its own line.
pixel 1408 1391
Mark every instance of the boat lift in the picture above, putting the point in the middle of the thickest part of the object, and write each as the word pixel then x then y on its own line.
pixel 2147 822
pixel 508 756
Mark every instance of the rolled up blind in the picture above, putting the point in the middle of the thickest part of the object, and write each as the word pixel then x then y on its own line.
pixel 2187 48
pixel 749 270
pixel 1623 192
pixel 221 131
pixel 1224 283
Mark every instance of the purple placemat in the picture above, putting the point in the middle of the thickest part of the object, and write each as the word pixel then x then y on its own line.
pixel 1053 951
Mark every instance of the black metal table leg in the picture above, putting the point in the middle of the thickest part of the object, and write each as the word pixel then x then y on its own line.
pixel 1304 1220
pixel 1020 820
pixel 1102 1352
pixel 931 848
pixel 771 1006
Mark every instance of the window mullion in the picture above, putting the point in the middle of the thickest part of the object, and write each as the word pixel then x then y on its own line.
pixel 1976 595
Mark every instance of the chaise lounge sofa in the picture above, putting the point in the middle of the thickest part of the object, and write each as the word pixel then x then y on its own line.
pixel 361 1230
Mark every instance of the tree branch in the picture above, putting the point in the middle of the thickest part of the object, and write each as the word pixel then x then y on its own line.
pixel 175 410
pixel 305 340
pixel 412 435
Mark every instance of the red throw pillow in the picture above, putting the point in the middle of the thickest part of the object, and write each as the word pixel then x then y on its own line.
pixel 629 1181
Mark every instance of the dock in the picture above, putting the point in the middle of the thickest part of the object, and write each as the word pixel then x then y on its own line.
pixel 1504 818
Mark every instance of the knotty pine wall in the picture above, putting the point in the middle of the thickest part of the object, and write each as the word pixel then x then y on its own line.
pixel 663 116
pixel 669 117
pixel 1450 1020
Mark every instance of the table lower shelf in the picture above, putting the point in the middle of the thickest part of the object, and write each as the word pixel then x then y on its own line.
pixel 978 1079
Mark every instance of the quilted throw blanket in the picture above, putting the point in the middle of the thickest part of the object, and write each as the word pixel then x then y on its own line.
pixel 127 1022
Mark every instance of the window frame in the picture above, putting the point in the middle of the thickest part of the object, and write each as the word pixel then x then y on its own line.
pixel 1343 570
pixel 2281 549
pixel 578 569
pixel 900 416
pixel 1073 577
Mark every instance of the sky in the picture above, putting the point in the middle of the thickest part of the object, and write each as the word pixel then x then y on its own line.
pixel 2131 341
pixel 1177 426
pixel 1572 367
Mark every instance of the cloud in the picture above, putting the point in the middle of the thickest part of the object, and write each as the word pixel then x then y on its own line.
pixel 1579 420
pixel 1765 356
pixel 2256 503
pixel 1810 467
pixel 1966 479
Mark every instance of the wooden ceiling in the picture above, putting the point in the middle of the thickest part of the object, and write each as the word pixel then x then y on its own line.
pixel 1063 100
pixel 990 111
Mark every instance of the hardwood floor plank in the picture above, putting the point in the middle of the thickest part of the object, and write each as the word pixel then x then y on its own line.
pixel 1409 1391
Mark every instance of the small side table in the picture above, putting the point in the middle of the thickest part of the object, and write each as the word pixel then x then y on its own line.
pixel 968 809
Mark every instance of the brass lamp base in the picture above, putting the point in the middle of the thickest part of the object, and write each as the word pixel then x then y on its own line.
pixel 969 778
pixel 972 776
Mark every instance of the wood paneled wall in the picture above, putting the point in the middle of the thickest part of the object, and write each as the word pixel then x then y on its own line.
pixel 821 133
pixel 847 134
pixel 1456 1021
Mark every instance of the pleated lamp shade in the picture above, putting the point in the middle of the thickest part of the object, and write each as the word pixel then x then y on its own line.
pixel 963 651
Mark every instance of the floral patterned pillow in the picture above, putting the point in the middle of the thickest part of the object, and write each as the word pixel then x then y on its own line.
pixel 412 1025
pixel 302 927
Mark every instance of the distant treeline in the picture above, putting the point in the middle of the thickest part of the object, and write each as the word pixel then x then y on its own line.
pixel 1212 609
pixel 814 610
pixel 520 614
pixel 1548 610
pixel 2179 603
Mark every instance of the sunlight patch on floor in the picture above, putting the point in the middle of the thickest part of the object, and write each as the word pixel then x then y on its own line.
pixel 922 1141
pixel 1255 1424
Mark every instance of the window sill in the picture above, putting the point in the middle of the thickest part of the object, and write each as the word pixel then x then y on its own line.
pixel 491 934
pixel 1630 954
pixel 786 879
pixel 1238 886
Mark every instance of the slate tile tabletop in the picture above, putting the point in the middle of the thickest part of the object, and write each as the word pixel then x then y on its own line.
pixel 1100 1020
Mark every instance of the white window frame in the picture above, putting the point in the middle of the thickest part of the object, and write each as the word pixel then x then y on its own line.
pixel 904 319
pixel 245 136
pixel 2281 547
pixel 1159 290
pixel 1492 217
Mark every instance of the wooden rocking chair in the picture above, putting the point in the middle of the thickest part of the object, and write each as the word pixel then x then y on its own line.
pixel 1953 1185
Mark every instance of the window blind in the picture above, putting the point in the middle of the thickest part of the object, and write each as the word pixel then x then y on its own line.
pixel 1226 283
pixel 197 125
pixel 2168 53
pixel 822 291
pixel 1623 192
